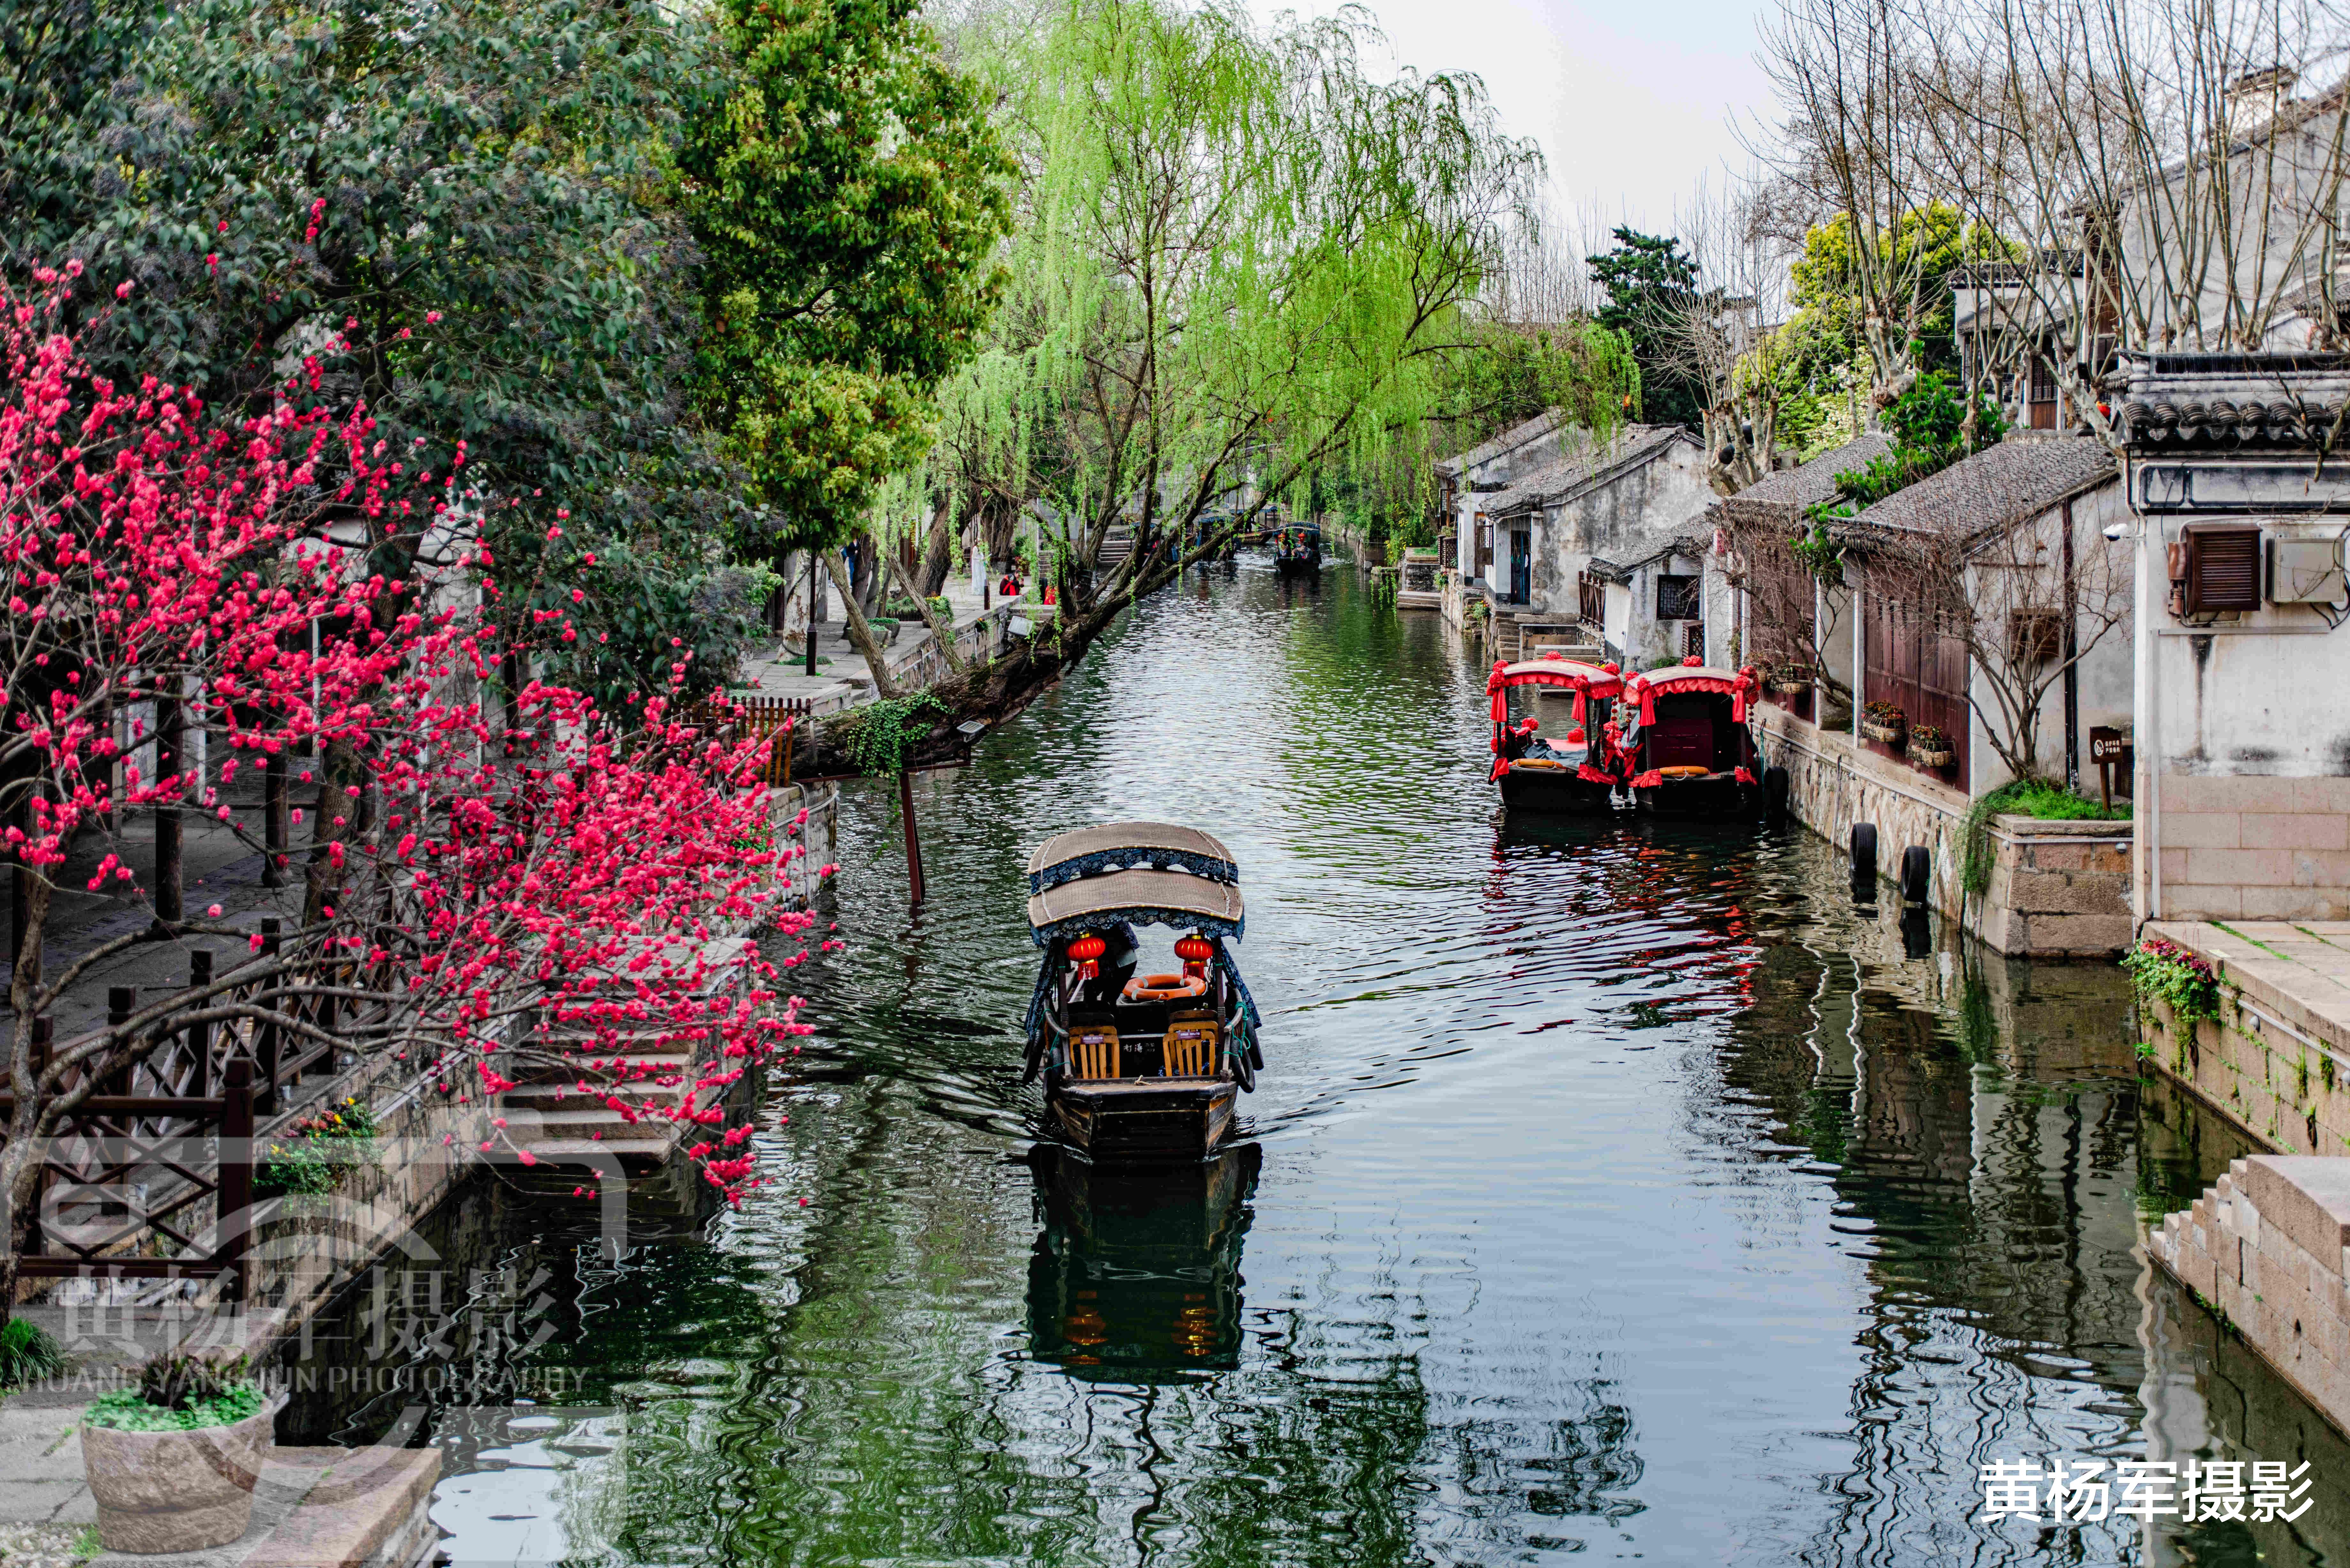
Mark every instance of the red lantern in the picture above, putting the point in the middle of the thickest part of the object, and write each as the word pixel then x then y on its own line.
pixel 1195 950
pixel 1088 950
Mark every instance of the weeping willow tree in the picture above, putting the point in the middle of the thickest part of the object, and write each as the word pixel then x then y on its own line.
pixel 1237 257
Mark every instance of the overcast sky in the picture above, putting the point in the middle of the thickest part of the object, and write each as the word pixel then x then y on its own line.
pixel 1632 101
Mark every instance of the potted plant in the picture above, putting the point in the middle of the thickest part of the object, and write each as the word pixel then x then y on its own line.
pixel 1884 721
pixel 172 1462
pixel 315 1155
pixel 1930 748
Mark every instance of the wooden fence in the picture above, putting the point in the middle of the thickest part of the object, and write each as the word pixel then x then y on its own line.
pixel 163 1150
pixel 756 715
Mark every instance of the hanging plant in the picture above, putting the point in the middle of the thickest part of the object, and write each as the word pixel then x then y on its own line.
pixel 885 732
pixel 2164 971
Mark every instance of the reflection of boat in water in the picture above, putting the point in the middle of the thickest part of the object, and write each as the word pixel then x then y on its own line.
pixel 1135 1276
pixel 1139 1068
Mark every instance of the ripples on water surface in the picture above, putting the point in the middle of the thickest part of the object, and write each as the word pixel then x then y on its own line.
pixel 1615 1189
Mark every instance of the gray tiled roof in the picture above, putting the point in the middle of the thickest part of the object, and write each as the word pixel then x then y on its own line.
pixel 1591 463
pixel 1791 490
pixel 2001 485
pixel 1516 436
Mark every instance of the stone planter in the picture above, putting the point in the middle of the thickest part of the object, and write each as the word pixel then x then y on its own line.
pixel 175 1491
pixel 1884 734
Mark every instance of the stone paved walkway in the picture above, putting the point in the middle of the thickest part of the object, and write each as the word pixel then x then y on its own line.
pixel 2300 967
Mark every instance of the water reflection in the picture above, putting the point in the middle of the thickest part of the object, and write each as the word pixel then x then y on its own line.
pixel 1136 1274
pixel 1626 1189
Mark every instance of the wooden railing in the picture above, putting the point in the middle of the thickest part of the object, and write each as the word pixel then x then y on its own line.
pixel 166 1142
pixel 753 715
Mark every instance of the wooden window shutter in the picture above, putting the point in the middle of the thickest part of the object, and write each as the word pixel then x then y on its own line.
pixel 2223 569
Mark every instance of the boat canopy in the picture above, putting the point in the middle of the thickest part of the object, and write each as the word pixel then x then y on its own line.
pixel 1739 685
pixel 1587 679
pixel 1134 897
pixel 1125 845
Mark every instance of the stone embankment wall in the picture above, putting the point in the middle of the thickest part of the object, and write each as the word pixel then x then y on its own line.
pixel 2276 1062
pixel 915 660
pixel 2268 1248
pixel 2057 889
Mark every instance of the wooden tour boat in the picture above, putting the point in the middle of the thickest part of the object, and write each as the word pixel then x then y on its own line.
pixel 1297 549
pixel 1554 761
pixel 1138 1068
pixel 1685 744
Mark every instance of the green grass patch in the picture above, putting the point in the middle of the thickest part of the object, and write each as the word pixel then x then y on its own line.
pixel 27 1352
pixel 127 1410
pixel 2042 799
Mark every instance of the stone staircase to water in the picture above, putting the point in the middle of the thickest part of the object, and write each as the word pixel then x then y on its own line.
pixel 1116 547
pixel 560 1107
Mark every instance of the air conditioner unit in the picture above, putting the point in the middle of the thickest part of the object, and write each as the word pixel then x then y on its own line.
pixel 2305 572
pixel 2215 568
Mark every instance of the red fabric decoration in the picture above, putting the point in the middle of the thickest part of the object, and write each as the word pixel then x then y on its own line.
pixel 1575 737
pixel 1649 780
pixel 1692 661
pixel 1593 775
pixel 1744 777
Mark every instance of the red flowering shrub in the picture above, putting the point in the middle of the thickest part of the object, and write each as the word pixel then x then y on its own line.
pixel 486 866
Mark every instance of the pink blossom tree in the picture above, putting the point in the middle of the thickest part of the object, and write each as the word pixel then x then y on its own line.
pixel 491 868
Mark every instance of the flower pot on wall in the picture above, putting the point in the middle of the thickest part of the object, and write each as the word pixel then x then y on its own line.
pixel 1885 734
pixel 1932 757
pixel 178 1490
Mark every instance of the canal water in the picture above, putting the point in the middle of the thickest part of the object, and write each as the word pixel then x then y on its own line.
pixel 1612 1191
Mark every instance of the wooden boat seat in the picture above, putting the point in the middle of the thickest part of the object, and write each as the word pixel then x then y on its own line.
pixel 1190 1051
pixel 1093 1051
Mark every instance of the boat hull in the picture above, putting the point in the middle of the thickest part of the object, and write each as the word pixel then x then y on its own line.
pixel 1553 789
pixel 1718 798
pixel 1295 566
pixel 1161 1121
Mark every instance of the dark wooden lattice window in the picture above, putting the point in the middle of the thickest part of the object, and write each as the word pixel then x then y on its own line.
pixel 1679 596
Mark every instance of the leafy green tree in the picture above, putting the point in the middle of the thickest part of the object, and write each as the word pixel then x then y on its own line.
pixel 1651 283
pixel 1931 429
pixel 849 194
pixel 480 192
pixel 1240 258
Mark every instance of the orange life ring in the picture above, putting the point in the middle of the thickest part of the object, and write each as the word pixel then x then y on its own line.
pixel 1164 987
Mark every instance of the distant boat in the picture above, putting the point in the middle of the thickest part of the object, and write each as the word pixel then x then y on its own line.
pixel 1138 1068
pixel 1297 549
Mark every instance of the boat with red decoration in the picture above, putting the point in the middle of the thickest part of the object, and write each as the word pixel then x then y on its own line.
pixel 1547 756
pixel 1138 1068
pixel 1686 747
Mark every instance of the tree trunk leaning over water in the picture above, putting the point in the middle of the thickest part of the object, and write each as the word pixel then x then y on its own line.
pixel 859 632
